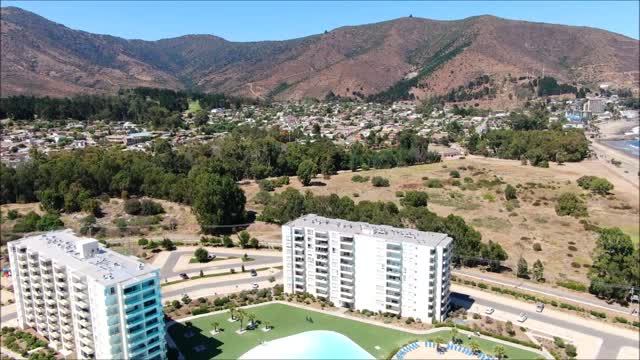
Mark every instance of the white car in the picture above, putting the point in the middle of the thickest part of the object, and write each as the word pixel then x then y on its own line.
pixel 522 318
pixel 539 307
pixel 489 311
pixel 255 286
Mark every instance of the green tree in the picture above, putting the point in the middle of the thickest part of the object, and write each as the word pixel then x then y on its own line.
pixel 51 200
pixel 523 268
pixel 167 244
pixel 474 346
pixel 215 325
pixel 538 270
pixel 615 265
pixel 414 198
pixel 499 351
pixel 243 239
pixel 493 253
pixel 510 193
pixel 254 243
pixel 201 255
pixel 306 172
pixel 226 241
pixel 217 201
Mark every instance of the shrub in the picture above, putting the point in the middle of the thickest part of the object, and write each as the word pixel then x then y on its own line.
pixel 150 207
pixel 571 351
pixel 559 342
pixel 266 185
pixel 537 247
pixel 570 204
pixel 399 194
pixel 434 183
pixel 359 178
pixel 510 193
pixel 598 314
pixel 454 174
pixel 201 255
pixel 379 181
pixel 415 199
pixel 132 206
pixel 143 242
pixel 13 214
pixel 573 285
pixel 621 320
pixel 597 185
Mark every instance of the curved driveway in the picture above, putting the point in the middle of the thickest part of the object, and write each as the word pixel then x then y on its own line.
pixel 259 261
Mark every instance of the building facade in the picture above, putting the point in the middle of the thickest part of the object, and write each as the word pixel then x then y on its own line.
pixel 363 266
pixel 89 301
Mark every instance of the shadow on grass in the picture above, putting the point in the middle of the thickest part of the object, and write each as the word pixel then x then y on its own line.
pixel 187 345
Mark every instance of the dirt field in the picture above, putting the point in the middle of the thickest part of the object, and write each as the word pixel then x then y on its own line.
pixel 566 246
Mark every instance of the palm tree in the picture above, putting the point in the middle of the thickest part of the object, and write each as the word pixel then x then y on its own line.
pixel 454 334
pixel 475 347
pixel 232 311
pixel 267 325
pixel 240 316
pixel 252 319
pixel 499 351
pixel 439 340
pixel 215 325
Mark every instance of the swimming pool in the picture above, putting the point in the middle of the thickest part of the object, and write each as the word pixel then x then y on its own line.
pixel 309 345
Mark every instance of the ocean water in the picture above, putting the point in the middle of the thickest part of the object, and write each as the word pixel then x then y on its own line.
pixel 631 147
pixel 309 345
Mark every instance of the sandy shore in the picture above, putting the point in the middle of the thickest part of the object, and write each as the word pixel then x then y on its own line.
pixel 616 129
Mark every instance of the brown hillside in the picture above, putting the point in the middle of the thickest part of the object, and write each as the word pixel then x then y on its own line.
pixel 45 58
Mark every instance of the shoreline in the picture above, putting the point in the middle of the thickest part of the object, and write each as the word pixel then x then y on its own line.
pixel 618 151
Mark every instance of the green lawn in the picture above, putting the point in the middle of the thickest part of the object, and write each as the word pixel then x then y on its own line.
pixel 194 106
pixel 288 320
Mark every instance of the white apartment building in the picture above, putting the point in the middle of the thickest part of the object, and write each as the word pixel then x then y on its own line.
pixel 89 301
pixel 363 266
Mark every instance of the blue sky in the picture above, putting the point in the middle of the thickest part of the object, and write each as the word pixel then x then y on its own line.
pixel 253 21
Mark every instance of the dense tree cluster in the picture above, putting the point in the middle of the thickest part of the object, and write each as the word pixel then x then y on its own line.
pixel 615 267
pixel 468 247
pixel 550 86
pixel 537 146
pixel 570 204
pixel 159 108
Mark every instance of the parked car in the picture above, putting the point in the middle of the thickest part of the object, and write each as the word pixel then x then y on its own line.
pixel 184 276
pixel 211 256
pixel 254 272
pixel 489 311
pixel 255 286
pixel 539 307
pixel 522 318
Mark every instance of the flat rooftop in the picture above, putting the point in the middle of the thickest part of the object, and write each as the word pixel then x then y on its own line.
pixel 105 266
pixel 378 231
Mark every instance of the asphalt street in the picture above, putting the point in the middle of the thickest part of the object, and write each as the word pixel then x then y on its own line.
pixel 167 269
pixel 611 343
pixel 213 286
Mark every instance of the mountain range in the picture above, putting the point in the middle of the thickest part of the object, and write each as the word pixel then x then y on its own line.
pixel 415 56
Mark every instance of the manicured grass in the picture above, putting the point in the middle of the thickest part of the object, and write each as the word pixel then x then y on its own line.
pixel 194 106
pixel 288 320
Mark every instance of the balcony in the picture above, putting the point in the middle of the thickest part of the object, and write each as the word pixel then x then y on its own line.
pixel 85 332
pixel 67 329
pixel 83 305
pixel 394 285
pixel 39 301
pixel 87 350
pixel 47 276
pixel 79 287
pixel 392 309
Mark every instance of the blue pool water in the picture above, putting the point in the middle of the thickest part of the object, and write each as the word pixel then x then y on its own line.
pixel 309 345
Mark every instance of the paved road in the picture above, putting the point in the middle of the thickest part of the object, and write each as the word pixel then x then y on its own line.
pixel 611 343
pixel 585 299
pixel 187 289
pixel 259 260
pixel 8 316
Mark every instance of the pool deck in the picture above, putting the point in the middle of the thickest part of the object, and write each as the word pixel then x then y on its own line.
pixel 344 315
